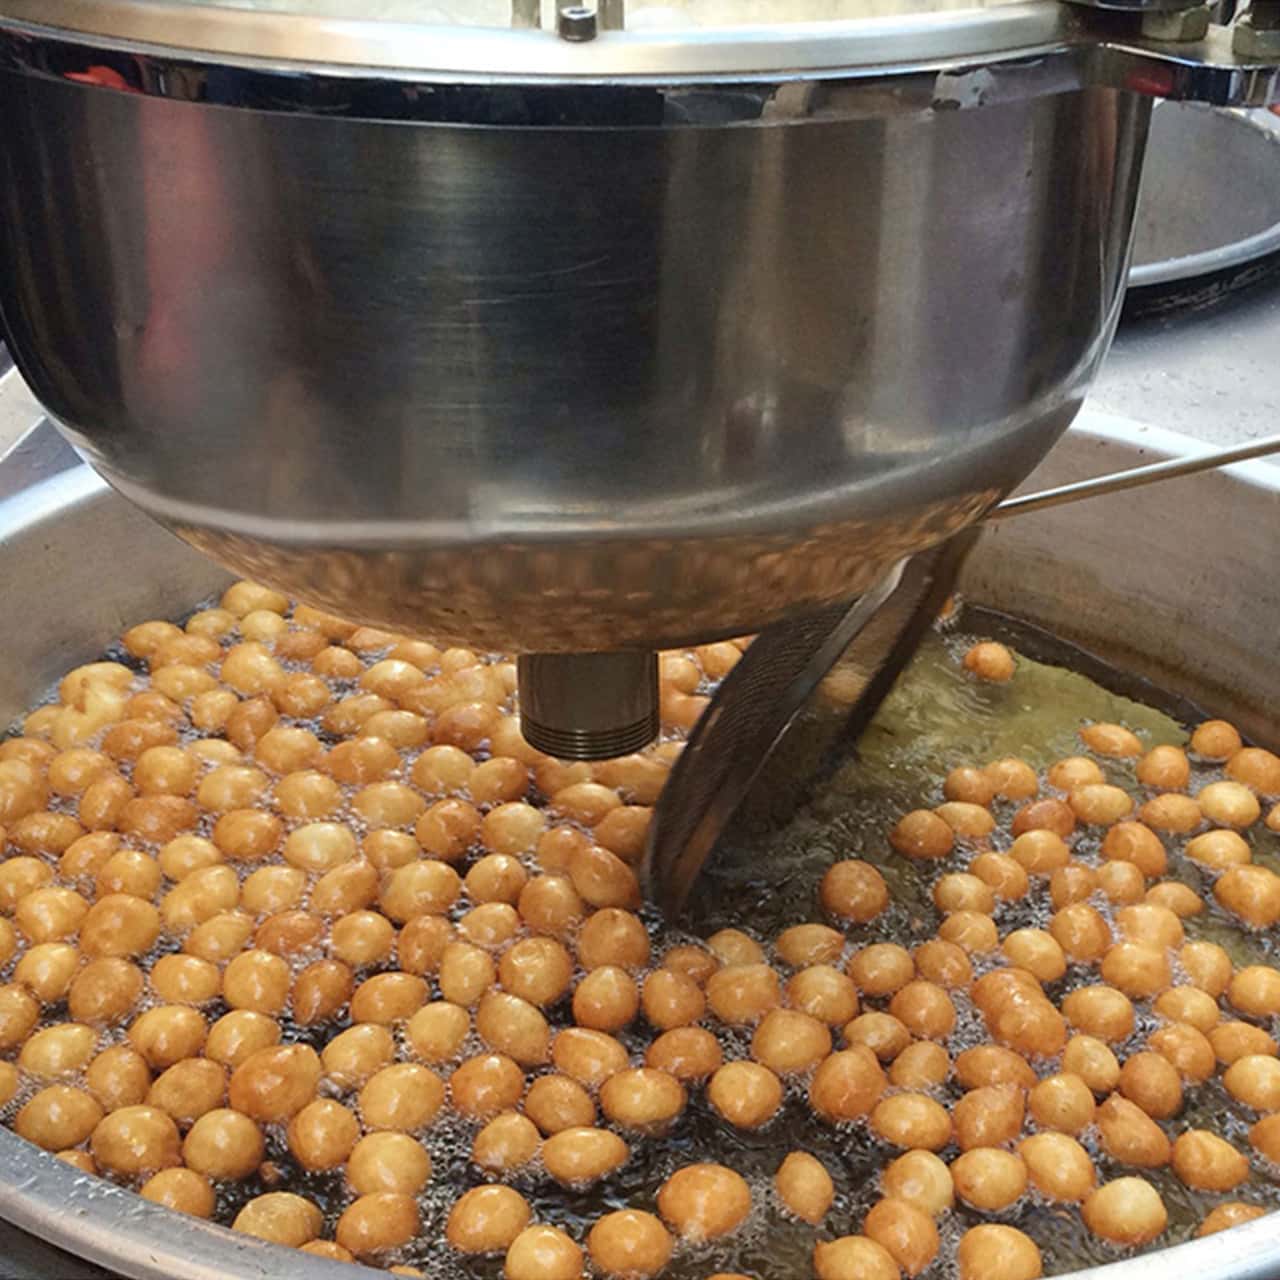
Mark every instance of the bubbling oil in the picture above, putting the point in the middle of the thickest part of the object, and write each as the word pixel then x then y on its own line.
pixel 763 880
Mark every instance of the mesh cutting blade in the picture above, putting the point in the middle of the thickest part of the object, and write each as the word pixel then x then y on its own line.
pixel 872 640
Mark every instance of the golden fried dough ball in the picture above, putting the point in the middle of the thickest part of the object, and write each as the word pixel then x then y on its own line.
pixel 578 1157
pixel 805 1187
pixel 1208 1163
pixel 922 1179
pixel 1233 1213
pixel 1058 1166
pixel 377 1222
pixel 994 1251
pixel 643 1099
pixel 508 1141
pixel 853 1258
pixel 905 1231
pixel 847 1085
pixel 136 1140
pixel 630 1245
pixel 486 1220
pixel 543 1253
pixel 1126 1211
pixel 703 1202
pixel 388 1162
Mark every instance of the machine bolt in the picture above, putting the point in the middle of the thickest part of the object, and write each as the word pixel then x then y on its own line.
pixel 1256 35
pixel 576 22
pixel 1181 25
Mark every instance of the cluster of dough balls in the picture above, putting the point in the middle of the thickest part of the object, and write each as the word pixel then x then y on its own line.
pixel 276 877
pixel 269 821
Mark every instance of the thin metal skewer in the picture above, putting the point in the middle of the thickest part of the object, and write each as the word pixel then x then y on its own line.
pixel 1134 478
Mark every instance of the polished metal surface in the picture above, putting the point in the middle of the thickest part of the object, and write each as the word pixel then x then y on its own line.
pixel 1192 602
pixel 1210 194
pixel 563 390
pixel 589 706
pixel 908 38
pixel 409 49
pixel 19 411
pixel 61 543
pixel 959 59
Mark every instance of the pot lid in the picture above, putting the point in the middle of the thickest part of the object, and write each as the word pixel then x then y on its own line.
pixel 639 41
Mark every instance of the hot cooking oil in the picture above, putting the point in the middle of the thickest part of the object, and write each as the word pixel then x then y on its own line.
pixel 763 879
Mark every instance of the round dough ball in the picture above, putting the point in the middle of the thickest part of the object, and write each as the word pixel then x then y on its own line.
pixel 543 1253
pixel 486 1220
pixel 993 1251
pixel 704 1201
pixel 805 1187
pixel 1126 1211
pixel 853 1258
pixel 629 1244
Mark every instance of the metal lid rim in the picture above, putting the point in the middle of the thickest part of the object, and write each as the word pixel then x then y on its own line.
pixel 301 42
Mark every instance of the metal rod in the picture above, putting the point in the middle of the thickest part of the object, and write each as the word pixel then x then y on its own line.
pixel 1134 478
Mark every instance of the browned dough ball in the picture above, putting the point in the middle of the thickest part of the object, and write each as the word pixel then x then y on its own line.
pixel 1206 1162
pixel 280 1217
pixel 579 1157
pixel 629 1245
pixel 921 1178
pixel 377 1222
pixel 486 1220
pixel 993 1251
pixel 388 1162
pixel 911 1120
pixel 136 1140
pixel 704 1201
pixel 275 1084
pixel 181 1189
pixel 1130 1136
pixel 1225 1216
pixel 805 1187
pixel 989 1178
pixel 642 1099
pixel 688 1053
pixel 853 1258
pixel 543 1253
pixel 919 834
pixel 746 1094
pixel 223 1144
pixel 990 661
pixel 905 1231
pixel 847 1085
pixel 1126 1211
pixel 1058 1166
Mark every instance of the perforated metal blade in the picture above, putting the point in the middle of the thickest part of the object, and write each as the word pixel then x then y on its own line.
pixel 760 700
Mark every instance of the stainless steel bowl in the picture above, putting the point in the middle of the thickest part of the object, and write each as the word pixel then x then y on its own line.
pixel 560 345
pixel 1139 578
pixel 1210 196
pixel 670 384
